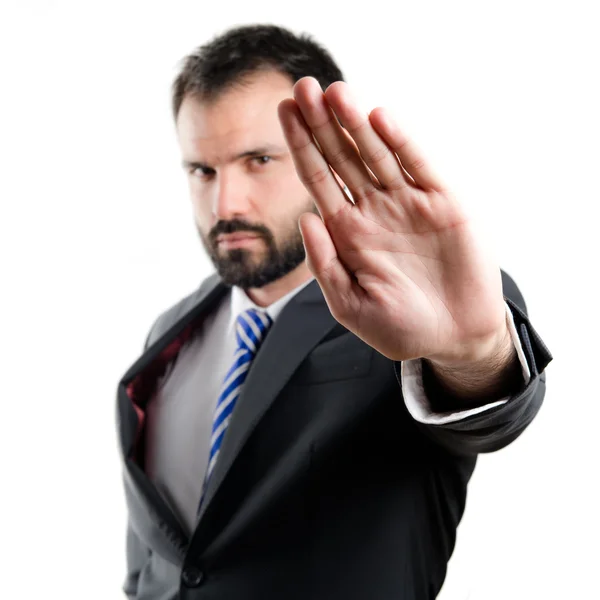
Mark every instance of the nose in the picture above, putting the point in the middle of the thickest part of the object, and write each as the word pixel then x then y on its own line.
pixel 231 197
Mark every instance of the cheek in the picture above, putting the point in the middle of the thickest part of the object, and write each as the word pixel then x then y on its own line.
pixel 282 190
pixel 201 205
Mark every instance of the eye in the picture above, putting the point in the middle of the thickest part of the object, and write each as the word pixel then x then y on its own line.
pixel 262 160
pixel 201 172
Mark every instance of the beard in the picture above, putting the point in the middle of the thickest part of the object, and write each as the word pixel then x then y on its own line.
pixel 246 269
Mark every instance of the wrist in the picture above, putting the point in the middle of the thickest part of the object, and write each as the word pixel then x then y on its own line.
pixel 496 347
pixel 480 374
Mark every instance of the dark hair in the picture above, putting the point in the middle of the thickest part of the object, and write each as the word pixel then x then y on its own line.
pixel 230 57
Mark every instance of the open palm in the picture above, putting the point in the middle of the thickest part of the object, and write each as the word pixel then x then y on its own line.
pixel 399 264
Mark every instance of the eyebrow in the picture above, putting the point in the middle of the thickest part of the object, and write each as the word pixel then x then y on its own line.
pixel 259 151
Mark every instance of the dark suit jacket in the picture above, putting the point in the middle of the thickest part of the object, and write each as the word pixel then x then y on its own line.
pixel 325 487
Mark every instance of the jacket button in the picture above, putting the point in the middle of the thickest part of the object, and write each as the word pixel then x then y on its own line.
pixel 192 576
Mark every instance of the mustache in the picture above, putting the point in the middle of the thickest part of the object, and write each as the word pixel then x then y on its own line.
pixel 237 226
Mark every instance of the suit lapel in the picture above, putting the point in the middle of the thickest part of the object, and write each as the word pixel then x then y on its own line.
pixel 185 313
pixel 150 514
pixel 303 322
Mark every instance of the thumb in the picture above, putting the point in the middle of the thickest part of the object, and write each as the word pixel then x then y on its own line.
pixel 323 261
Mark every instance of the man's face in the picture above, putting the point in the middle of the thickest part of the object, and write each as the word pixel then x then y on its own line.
pixel 246 195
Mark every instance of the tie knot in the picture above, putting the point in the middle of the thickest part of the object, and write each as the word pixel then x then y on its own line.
pixel 251 327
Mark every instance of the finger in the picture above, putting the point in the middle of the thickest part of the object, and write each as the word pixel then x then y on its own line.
pixel 339 152
pixel 374 179
pixel 410 157
pixel 374 151
pixel 323 261
pixel 312 168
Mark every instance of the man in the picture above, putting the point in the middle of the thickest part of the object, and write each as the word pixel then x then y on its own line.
pixel 304 425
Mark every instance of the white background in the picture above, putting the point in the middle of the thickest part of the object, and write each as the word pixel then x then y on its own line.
pixel 97 238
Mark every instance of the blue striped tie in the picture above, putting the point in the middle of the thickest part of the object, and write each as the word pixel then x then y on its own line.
pixel 250 329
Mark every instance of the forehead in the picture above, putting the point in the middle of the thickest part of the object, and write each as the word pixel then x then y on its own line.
pixel 238 120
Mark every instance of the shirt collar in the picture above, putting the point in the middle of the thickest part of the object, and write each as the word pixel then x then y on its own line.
pixel 241 302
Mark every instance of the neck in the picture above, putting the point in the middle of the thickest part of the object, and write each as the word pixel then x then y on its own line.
pixel 266 295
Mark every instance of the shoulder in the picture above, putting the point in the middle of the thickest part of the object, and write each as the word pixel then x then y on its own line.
pixel 173 314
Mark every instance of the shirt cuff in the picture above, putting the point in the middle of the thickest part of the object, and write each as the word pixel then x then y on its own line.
pixel 417 403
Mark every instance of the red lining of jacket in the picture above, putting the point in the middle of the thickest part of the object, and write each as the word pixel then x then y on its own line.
pixel 142 387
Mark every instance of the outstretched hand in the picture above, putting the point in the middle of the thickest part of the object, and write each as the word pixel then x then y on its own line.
pixel 399 264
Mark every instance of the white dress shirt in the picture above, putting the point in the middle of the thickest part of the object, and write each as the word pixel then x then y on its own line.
pixel 180 415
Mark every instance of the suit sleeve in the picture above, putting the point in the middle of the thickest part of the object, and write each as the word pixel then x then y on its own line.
pixel 496 425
